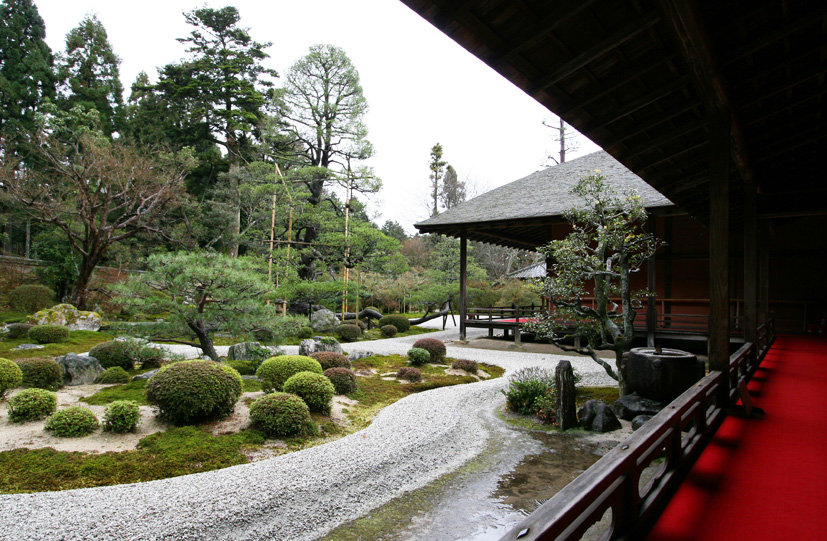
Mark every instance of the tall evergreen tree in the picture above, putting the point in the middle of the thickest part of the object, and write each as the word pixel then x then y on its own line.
pixel 437 167
pixel 453 190
pixel 90 74
pixel 26 67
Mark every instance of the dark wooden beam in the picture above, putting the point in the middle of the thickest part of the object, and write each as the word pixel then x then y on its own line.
pixel 594 52
pixel 686 23
pixel 463 275
pixel 751 265
pixel 623 136
pixel 783 33
pixel 719 247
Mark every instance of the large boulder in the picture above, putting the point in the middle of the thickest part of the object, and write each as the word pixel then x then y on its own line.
pixel 79 369
pixel 68 316
pixel 597 416
pixel 630 406
pixel 323 320
pixel 319 343
pixel 242 351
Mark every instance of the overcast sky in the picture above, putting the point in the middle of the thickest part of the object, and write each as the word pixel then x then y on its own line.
pixel 422 88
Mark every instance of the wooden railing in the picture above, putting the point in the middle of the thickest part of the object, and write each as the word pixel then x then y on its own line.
pixel 623 493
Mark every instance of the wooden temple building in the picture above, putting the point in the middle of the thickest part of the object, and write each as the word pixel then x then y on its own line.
pixel 720 107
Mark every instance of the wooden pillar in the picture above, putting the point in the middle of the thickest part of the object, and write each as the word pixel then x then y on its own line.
pixel 719 248
pixel 463 272
pixel 750 266
pixel 651 308
pixel 764 281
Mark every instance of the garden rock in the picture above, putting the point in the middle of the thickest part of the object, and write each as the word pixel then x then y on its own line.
pixel 145 375
pixel 639 421
pixel 630 406
pixel 564 381
pixel 597 416
pixel 68 316
pixel 323 320
pixel 319 343
pixel 356 355
pixel 242 351
pixel 79 369
pixel 29 346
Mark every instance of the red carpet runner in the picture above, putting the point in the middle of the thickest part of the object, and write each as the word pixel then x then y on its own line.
pixel 763 478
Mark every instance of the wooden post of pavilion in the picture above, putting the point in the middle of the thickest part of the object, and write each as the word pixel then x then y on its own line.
pixel 750 266
pixel 719 248
pixel 764 301
pixel 463 272
pixel 651 308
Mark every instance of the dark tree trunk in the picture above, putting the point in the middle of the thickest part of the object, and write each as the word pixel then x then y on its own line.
pixel 204 339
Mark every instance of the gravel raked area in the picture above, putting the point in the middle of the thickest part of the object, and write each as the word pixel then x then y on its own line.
pixel 297 496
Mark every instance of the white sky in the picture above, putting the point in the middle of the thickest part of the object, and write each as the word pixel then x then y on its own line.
pixel 422 88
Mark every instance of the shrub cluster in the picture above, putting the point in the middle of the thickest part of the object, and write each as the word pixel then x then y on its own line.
pixel 41 373
pixel 112 353
pixel 305 332
pixel 315 389
pixel 192 391
pixel 139 351
pixel 343 379
pixel 433 346
pixel 49 334
pixel 276 370
pixel 72 422
pixel 348 332
pixel 115 374
pixel 19 330
pixel 31 405
pixel 388 331
pixel 31 298
pixel 526 386
pixel 10 376
pixel 245 368
pixel 409 373
pixel 400 322
pixel 263 334
pixel 418 356
pixel 546 406
pixel 331 359
pixel 281 414
pixel 121 416
pixel 465 364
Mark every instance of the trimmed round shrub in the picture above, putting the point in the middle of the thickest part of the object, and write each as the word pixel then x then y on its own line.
pixel 418 356
pixel 31 298
pixel 409 373
pixel 263 334
pixel 72 422
pixel 305 332
pixel 31 405
pixel 49 334
pixel 388 331
pixel 189 392
pixel 116 374
pixel 315 389
pixel 348 332
pixel 245 368
pixel 465 364
pixel 19 330
pixel 41 373
pixel 10 376
pixel 433 346
pixel 343 379
pixel 121 416
pixel 331 359
pixel 400 322
pixel 111 354
pixel 281 414
pixel 276 370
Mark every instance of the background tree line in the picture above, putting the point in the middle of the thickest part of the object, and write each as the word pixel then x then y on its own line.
pixel 220 153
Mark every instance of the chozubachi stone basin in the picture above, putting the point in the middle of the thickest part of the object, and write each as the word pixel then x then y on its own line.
pixel 662 374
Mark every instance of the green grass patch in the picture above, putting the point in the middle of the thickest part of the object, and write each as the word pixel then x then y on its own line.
pixel 607 394
pixel 192 449
pixel 134 390
pixel 79 342
pixel 250 385
pixel 8 315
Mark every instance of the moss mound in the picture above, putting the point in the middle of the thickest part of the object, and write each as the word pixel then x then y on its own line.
pixel 276 370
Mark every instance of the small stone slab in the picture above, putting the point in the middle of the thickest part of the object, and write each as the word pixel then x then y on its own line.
pixel 566 408
pixel 639 421
pixel 630 406
pixel 28 346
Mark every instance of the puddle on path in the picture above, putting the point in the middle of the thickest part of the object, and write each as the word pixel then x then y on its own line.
pixel 489 495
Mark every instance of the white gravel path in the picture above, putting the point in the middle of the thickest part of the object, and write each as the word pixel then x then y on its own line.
pixel 297 496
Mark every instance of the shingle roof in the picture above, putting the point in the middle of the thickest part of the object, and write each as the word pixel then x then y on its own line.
pixel 545 193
